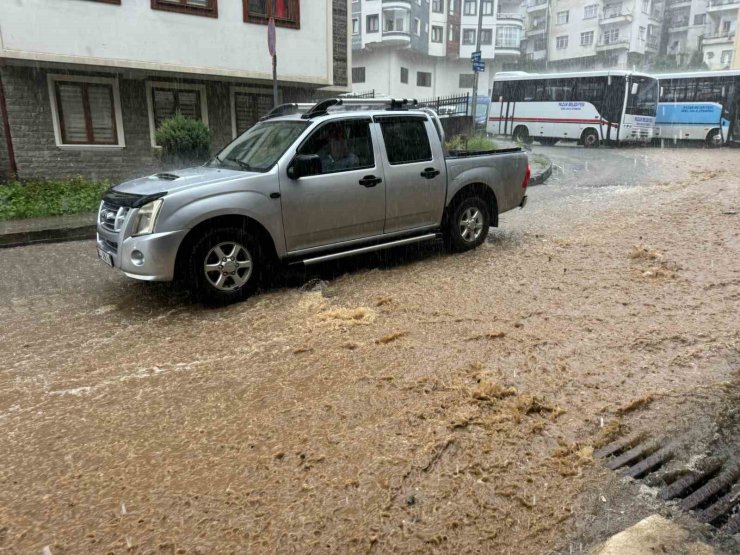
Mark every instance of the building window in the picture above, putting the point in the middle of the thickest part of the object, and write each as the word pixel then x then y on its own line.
pixel 197 7
pixel 487 7
pixel 358 74
pixel 469 7
pixel 540 43
pixel 286 13
pixel 611 36
pixel 562 17
pixel 467 80
pixel 726 26
pixel 165 99
pixel 645 6
pixel 641 33
pixel 355 26
pixel 486 37
pixel 590 11
pixel 371 24
pixel 86 111
pixel 438 6
pixel 561 42
pixel 468 36
pixel 508 36
pixel 587 38
pixel 700 19
pixel 247 107
pixel 726 57
pixel 437 32
pixel 404 75
pixel 417 26
pixel 423 79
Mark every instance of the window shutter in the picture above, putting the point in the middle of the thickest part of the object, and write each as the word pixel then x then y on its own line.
pixel 100 98
pixel 249 108
pixel 71 104
pixel 164 105
pixel 188 103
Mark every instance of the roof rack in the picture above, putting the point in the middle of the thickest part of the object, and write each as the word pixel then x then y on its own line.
pixel 287 109
pixel 322 108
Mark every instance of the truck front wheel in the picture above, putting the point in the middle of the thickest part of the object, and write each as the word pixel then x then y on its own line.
pixel 224 266
pixel 467 224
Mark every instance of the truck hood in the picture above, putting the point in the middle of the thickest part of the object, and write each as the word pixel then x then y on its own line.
pixel 179 180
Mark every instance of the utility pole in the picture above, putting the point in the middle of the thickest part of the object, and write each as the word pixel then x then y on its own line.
pixel 475 73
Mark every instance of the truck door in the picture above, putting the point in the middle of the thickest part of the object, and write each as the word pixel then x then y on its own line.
pixel 415 172
pixel 345 200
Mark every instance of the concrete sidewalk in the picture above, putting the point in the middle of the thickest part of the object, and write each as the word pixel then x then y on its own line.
pixel 54 229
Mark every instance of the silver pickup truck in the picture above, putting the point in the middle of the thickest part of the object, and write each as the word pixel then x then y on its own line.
pixel 307 188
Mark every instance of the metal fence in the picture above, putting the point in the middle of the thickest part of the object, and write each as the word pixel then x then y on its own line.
pixel 364 94
pixel 453 105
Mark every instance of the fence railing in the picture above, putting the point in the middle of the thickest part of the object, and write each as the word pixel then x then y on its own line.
pixel 363 94
pixel 453 105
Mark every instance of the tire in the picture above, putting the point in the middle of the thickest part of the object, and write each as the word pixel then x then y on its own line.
pixel 234 257
pixel 590 139
pixel 467 224
pixel 521 135
pixel 547 141
pixel 714 138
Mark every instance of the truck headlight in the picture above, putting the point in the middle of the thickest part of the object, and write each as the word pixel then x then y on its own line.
pixel 147 217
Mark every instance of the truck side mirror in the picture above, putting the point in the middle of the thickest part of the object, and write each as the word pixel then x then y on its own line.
pixel 304 165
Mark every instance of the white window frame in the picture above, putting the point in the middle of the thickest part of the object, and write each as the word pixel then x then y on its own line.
pixel 594 7
pixel 587 34
pixel 417 26
pixel 566 18
pixel 564 42
pixel 177 86
pixel 53 78
pixel 248 90
pixel 356 20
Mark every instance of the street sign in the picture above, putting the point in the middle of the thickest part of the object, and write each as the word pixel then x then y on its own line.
pixel 271 36
pixel 475 56
pixel 479 67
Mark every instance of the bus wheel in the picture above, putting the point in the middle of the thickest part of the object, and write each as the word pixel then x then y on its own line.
pixel 714 138
pixel 590 139
pixel 521 135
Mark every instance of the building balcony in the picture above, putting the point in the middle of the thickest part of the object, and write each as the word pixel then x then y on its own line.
pixel 397 38
pixel 535 30
pixel 606 46
pixel 402 4
pixel 722 37
pixel 678 3
pixel 536 5
pixel 652 43
pixel 608 17
pixel 678 24
pixel 714 6
pixel 512 19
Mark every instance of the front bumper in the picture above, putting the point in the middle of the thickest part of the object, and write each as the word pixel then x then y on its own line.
pixel 154 258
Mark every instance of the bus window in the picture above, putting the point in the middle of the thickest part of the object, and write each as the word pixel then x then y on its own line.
pixel 709 90
pixel 644 101
pixel 591 90
pixel 530 88
pixel 498 91
pixel 559 90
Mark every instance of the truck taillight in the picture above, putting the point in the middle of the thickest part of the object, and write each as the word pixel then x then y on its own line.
pixel 527 175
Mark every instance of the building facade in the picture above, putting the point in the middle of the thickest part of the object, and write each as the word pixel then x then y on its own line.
pixel 422 48
pixel 87 82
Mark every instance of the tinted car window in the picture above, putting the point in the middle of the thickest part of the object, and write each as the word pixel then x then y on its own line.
pixel 406 140
pixel 341 145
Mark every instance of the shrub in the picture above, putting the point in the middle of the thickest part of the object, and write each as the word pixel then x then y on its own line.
pixel 184 140
pixel 475 143
pixel 38 198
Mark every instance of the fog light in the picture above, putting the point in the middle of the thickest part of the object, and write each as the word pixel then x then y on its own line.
pixel 137 258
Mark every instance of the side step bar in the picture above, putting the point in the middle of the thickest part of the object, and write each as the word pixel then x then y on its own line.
pixel 371 248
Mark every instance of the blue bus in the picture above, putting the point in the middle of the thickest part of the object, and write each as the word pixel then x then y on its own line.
pixel 700 106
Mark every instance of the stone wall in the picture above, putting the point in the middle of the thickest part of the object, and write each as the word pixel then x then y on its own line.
pixel 339 17
pixel 32 128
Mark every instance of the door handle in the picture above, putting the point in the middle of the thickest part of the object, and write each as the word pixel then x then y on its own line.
pixel 370 181
pixel 429 173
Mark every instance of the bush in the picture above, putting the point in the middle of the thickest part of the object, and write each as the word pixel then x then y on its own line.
pixel 184 140
pixel 38 198
pixel 475 143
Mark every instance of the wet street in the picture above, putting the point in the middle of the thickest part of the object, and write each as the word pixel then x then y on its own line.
pixel 408 402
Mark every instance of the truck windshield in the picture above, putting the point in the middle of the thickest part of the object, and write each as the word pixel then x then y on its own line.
pixel 259 147
pixel 645 101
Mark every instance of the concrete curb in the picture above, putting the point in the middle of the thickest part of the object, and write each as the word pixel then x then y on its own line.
pixel 540 178
pixel 56 235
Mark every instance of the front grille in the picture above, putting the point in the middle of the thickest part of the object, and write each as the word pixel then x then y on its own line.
pixel 111 217
pixel 110 246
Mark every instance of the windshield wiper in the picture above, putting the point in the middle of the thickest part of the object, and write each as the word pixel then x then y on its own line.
pixel 243 165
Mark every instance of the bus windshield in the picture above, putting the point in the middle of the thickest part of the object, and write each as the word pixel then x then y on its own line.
pixel 645 101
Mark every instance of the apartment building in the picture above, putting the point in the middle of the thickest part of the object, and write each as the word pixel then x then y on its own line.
pixel 87 82
pixel 422 48
pixel 720 43
pixel 586 34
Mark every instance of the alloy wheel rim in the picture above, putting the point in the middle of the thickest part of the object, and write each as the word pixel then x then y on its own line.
pixel 471 224
pixel 228 266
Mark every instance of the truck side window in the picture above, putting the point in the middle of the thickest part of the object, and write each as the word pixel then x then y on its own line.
pixel 406 140
pixel 341 145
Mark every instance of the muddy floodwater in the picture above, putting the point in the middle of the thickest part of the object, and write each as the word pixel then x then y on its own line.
pixel 411 402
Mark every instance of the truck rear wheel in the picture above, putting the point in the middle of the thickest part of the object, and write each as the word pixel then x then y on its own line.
pixel 224 266
pixel 467 224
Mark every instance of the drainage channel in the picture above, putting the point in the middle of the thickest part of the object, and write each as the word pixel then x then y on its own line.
pixel 709 491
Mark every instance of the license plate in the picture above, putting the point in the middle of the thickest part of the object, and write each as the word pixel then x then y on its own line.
pixel 105 257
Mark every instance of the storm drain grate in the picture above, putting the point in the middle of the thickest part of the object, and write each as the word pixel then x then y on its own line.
pixel 712 493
